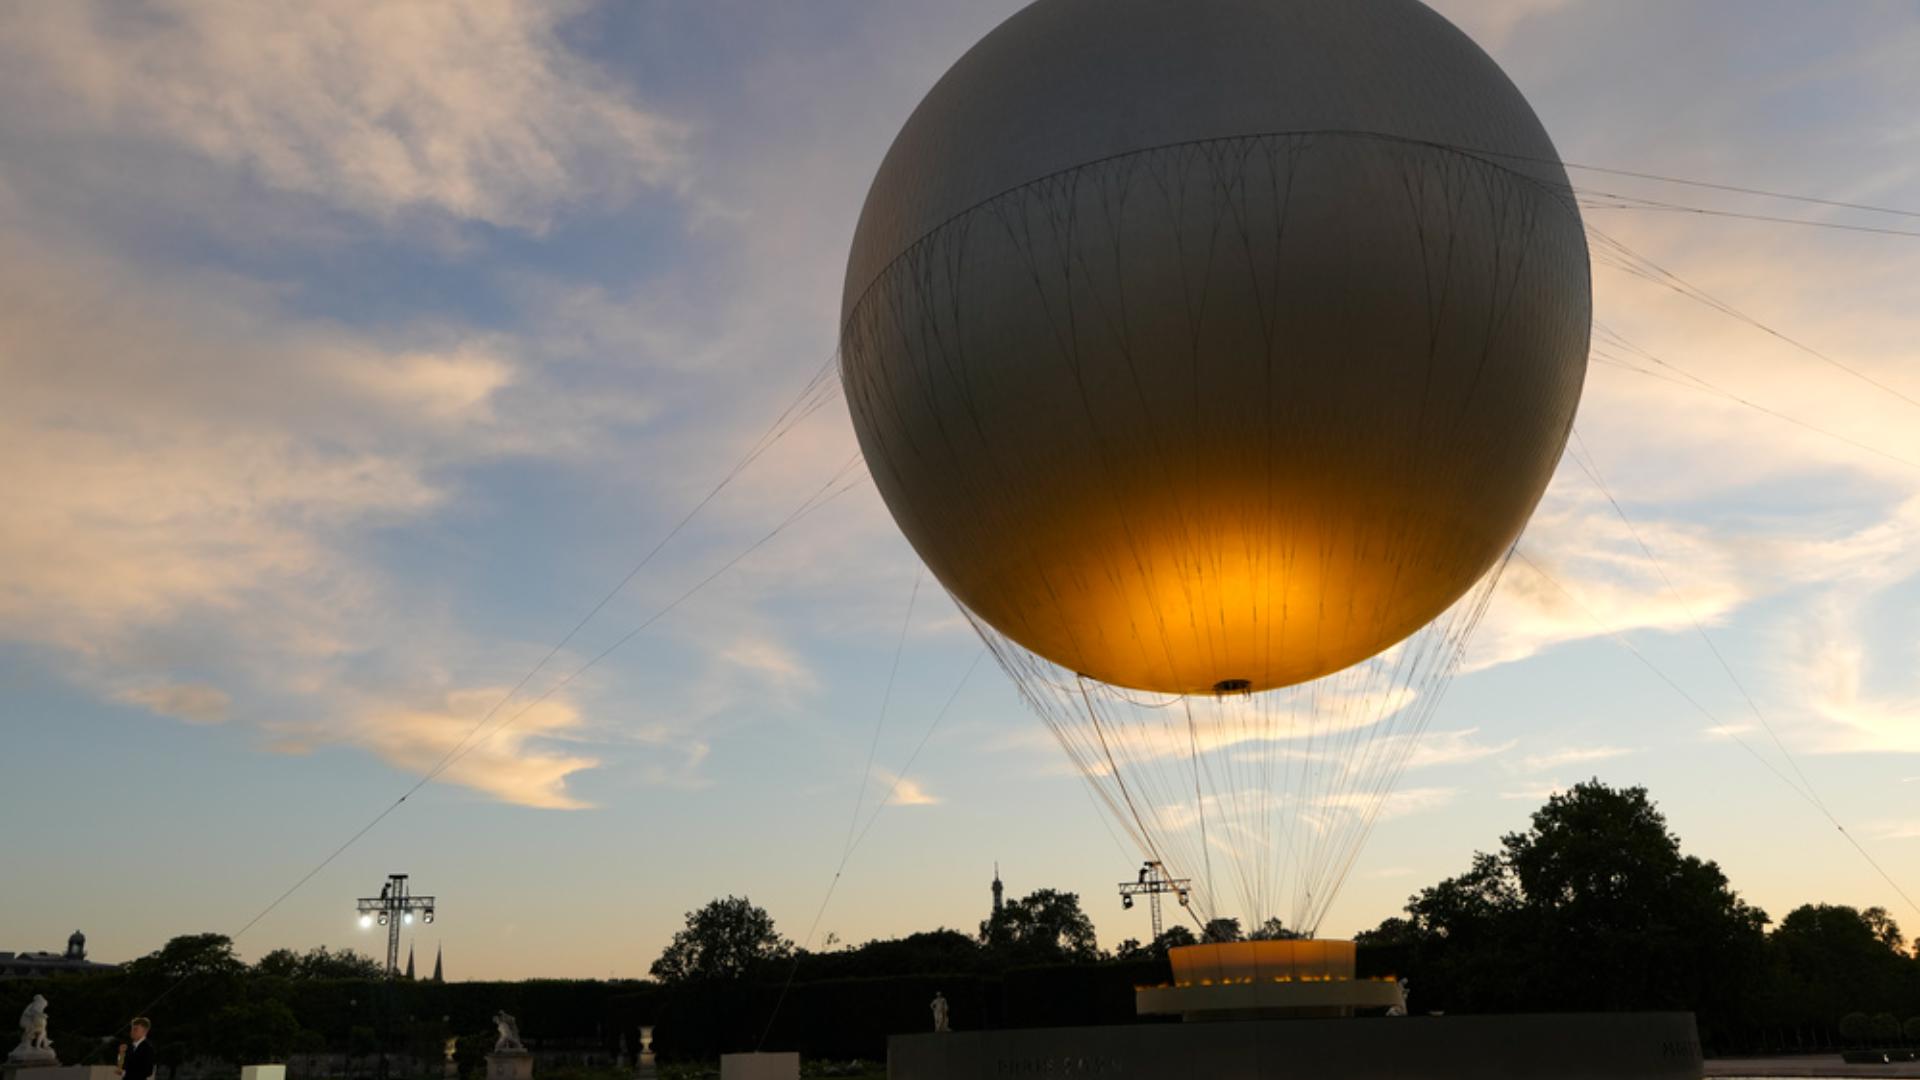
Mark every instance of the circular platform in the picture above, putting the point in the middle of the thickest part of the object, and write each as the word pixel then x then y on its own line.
pixel 1246 980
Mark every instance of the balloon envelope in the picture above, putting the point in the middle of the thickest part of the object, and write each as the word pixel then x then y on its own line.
pixel 1216 345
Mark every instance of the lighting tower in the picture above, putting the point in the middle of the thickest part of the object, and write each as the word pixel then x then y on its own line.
pixel 1152 882
pixel 393 908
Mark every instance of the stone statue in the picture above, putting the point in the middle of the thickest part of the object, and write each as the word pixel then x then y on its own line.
pixel 451 1046
pixel 509 1033
pixel 35 1048
pixel 1401 1008
pixel 940 1012
pixel 33 1025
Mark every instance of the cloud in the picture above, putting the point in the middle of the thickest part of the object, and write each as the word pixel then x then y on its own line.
pixel 1856 720
pixel 1399 803
pixel 1492 23
pixel 1581 573
pixel 478 111
pixel 197 470
pixel 1534 792
pixel 509 762
pixel 771 660
pixel 905 792
pixel 1388 873
pixel 1436 748
pixel 1572 755
pixel 178 448
pixel 196 703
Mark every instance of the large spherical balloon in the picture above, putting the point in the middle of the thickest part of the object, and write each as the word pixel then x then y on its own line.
pixel 1216 344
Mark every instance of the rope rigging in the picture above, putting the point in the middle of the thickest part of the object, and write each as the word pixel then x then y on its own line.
pixel 1262 787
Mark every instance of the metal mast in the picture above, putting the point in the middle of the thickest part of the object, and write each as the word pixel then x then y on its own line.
pixel 394 907
pixel 1152 882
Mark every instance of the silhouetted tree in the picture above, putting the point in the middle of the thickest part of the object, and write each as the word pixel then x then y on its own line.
pixel 1594 907
pixel 1220 930
pixel 1172 938
pixel 190 955
pixel 1272 930
pixel 1045 926
pixel 318 963
pixel 1884 928
pixel 725 940
pixel 1829 959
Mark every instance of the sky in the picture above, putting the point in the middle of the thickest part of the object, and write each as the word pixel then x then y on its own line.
pixel 350 353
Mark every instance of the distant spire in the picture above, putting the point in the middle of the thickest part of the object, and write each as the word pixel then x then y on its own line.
pixel 437 976
pixel 999 890
pixel 409 959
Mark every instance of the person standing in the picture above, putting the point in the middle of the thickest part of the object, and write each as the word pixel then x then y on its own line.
pixel 136 1061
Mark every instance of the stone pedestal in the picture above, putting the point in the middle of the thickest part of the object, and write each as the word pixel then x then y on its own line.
pixel 1565 1046
pixel 781 1066
pixel 56 1071
pixel 643 1064
pixel 25 1057
pixel 510 1065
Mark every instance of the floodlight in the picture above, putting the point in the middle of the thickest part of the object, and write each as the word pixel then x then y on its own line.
pixel 366 921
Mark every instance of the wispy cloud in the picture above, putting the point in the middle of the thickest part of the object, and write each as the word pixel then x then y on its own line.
pixel 905 790
pixel 1389 873
pixel 196 703
pixel 1534 792
pixel 1572 755
pixel 513 763
pixel 1400 803
pixel 1453 748
pixel 479 111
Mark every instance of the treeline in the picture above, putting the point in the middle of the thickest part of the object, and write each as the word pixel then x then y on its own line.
pixel 1594 907
pixel 842 1004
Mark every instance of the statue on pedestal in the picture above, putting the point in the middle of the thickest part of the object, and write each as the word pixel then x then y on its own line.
pixel 35 1048
pixel 509 1059
pixel 509 1033
pixel 939 1005
pixel 1401 1008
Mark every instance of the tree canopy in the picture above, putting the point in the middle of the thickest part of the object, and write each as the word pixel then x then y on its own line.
pixel 318 963
pixel 1045 926
pixel 1593 906
pixel 191 955
pixel 725 940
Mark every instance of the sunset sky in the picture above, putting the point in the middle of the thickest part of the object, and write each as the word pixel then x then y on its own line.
pixel 351 352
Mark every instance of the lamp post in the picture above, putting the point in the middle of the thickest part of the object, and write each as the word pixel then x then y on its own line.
pixel 1152 882
pixel 393 908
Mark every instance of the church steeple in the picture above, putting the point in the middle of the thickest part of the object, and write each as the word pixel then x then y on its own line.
pixel 437 976
pixel 409 961
pixel 999 890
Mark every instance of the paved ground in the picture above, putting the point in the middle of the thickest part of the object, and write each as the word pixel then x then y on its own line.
pixel 1811 1065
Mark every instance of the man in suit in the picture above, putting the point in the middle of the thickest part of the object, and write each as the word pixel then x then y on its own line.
pixel 137 1060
